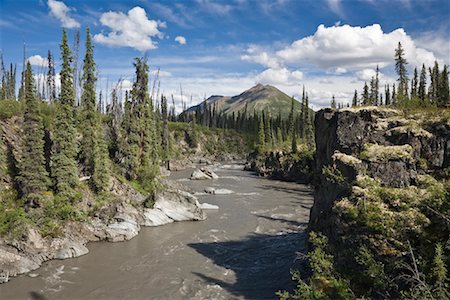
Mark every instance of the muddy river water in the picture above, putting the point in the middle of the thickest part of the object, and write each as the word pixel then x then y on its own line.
pixel 244 250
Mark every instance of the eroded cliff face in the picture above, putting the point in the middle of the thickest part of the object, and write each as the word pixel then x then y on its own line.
pixel 376 142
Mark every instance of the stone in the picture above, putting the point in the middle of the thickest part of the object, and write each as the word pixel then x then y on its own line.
pixel 70 249
pixel 199 175
pixel 155 217
pixel 181 206
pixel 210 190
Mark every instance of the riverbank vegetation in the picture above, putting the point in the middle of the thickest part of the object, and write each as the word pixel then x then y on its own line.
pixel 62 147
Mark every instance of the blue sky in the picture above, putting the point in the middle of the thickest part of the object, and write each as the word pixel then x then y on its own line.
pixel 224 47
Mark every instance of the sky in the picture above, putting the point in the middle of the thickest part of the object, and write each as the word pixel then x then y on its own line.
pixel 215 47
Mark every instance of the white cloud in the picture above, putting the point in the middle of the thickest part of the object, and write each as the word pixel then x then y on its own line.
pixel 436 42
pixel 214 7
pixel 181 40
pixel 61 11
pixel 161 73
pixel 132 30
pixel 335 6
pixel 37 60
pixel 257 55
pixel 353 47
pixel 279 76
pixel 340 70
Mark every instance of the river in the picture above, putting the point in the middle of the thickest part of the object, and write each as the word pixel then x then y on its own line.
pixel 244 250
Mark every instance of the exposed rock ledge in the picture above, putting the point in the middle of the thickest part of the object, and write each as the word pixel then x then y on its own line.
pixel 128 215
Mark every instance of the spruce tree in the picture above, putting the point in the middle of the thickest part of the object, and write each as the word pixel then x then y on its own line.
pixel 414 84
pixel 444 96
pixel 94 153
pixel 165 132
pixel 400 68
pixel 365 95
pixel 333 102
pixel 422 84
pixel 309 130
pixel 279 135
pixel 294 142
pixel 261 136
pixel 63 164
pixel 33 176
pixel 355 99
pixel 387 95
pixel 51 85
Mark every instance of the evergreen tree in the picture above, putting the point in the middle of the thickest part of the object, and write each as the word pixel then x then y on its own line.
pixel 94 154
pixel 51 85
pixel 377 86
pixel 261 136
pixel 309 130
pixel 394 95
pixel 387 95
pixel 333 102
pixel 294 143
pixel 400 68
pixel 267 128
pixel 279 135
pixel 165 131
pixel 443 88
pixel 414 84
pixel 63 165
pixel 439 274
pixel 422 84
pixel 33 176
pixel 355 99
pixel 365 95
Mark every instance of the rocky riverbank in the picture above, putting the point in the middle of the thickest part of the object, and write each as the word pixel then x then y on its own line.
pixel 120 220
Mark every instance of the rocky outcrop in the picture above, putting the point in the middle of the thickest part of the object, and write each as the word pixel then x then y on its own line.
pixel 120 220
pixel 377 143
pixel 283 166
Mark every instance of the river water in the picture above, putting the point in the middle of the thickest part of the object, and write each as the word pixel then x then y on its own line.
pixel 244 250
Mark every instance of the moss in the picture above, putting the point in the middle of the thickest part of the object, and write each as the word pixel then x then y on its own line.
pixel 333 175
pixel 379 153
pixel 347 159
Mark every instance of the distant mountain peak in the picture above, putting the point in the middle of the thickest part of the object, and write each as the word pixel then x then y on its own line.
pixel 255 99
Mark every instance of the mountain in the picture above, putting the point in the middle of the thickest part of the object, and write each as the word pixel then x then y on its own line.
pixel 258 98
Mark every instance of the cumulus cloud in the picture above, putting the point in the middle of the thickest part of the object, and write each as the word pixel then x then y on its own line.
pixel 37 60
pixel 257 55
pixel 132 30
pixel 181 40
pixel 279 76
pixel 61 11
pixel 353 47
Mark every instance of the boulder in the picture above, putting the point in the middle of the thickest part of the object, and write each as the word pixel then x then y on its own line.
pixel 179 206
pixel 199 175
pixel 155 217
pixel 210 190
pixel 71 248
pixel 209 173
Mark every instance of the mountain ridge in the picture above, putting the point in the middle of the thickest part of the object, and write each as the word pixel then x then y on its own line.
pixel 255 99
